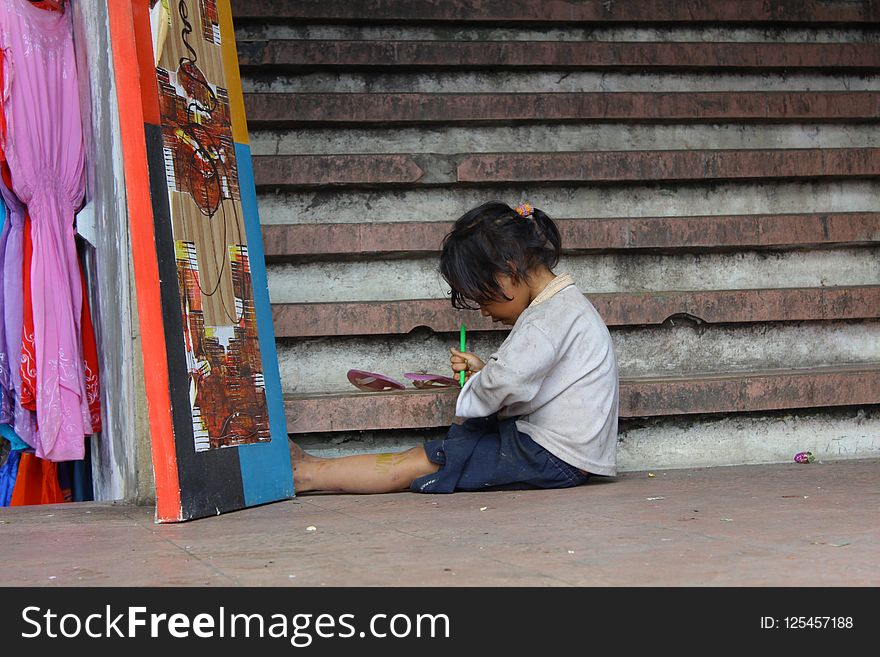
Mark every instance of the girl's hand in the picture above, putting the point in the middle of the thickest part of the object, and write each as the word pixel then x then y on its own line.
pixel 462 361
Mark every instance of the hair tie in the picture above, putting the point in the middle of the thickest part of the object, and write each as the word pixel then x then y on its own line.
pixel 524 210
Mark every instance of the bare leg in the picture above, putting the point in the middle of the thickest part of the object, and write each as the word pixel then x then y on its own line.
pixel 363 473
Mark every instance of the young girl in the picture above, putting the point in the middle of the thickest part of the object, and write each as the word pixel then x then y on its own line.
pixel 542 409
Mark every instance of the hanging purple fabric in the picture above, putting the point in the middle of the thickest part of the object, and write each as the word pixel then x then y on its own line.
pixel 44 150
pixel 21 419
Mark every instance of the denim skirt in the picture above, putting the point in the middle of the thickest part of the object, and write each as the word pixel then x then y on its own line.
pixel 487 454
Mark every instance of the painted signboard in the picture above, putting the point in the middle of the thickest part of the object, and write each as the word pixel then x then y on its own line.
pixel 219 433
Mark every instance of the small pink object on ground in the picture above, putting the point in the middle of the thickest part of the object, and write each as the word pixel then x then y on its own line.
pixel 804 457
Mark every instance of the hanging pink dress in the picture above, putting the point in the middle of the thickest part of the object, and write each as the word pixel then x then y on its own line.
pixel 44 149
pixel 23 420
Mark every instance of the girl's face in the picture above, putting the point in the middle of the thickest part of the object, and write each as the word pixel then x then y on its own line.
pixel 507 312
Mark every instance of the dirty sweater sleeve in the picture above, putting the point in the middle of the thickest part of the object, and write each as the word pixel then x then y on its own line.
pixel 513 374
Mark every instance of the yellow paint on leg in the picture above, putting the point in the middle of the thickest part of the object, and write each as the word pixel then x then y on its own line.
pixel 384 462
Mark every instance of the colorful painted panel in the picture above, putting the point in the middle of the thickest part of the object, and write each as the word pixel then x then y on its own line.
pixel 217 418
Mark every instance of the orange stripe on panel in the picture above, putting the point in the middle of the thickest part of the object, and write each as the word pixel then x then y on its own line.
pixel 140 11
pixel 130 94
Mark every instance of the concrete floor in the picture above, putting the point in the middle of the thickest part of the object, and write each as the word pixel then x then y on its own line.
pixel 792 524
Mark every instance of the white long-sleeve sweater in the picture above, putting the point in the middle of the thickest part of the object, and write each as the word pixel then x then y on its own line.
pixel 557 371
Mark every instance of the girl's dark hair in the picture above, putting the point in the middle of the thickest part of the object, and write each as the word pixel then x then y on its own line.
pixel 494 239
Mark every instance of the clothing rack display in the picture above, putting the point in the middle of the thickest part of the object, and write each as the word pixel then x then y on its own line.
pixel 49 376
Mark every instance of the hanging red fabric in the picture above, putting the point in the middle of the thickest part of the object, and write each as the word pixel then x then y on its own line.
pixel 36 482
pixel 90 356
pixel 50 5
pixel 28 350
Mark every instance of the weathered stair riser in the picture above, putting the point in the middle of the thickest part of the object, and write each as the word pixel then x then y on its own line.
pixel 714 173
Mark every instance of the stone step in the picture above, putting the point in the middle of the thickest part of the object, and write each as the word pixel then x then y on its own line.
pixel 565 137
pixel 529 12
pixel 609 167
pixel 626 166
pixel 707 393
pixel 281 109
pixel 417 277
pixel 619 309
pixel 685 441
pixel 554 55
pixel 319 364
pixel 718 33
pixel 440 204
pixel 530 81
pixel 690 233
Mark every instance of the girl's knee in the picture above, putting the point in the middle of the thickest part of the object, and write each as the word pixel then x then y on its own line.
pixel 421 464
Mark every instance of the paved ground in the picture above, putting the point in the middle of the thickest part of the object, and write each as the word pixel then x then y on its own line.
pixel 793 524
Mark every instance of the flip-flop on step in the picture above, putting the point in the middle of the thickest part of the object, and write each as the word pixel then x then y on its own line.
pixel 372 382
pixel 426 380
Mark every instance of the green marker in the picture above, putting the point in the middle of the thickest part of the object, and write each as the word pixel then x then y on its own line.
pixel 462 349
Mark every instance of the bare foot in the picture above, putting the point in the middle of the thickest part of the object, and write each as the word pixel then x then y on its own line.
pixel 302 464
pixel 298 454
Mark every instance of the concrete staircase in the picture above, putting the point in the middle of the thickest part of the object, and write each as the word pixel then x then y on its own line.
pixel 713 168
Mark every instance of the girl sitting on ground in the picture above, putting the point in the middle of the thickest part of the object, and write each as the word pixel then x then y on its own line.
pixel 541 412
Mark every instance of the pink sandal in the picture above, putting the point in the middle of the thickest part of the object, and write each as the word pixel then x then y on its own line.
pixel 372 382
